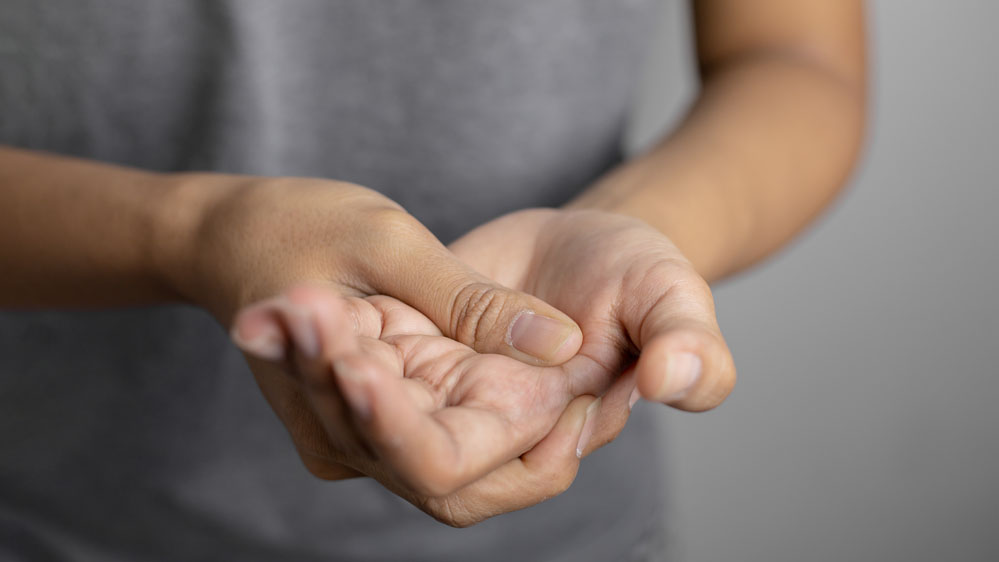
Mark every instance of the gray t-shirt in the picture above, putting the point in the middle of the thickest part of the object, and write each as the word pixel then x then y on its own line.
pixel 139 434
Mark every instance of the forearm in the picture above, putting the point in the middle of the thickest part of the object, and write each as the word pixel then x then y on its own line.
pixel 768 143
pixel 80 233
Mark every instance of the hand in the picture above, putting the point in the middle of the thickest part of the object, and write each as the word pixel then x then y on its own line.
pixel 259 236
pixel 378 388
pixel 632 293
pixel 263 236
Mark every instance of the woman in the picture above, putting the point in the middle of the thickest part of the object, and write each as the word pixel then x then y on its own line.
pixel 158 156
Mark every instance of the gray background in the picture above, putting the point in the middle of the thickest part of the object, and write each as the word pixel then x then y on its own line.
pixel 863 425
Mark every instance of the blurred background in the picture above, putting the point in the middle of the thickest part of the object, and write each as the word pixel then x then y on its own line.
pixel 863 425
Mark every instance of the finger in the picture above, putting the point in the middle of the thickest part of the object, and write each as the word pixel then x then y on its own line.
pixel 268 331
pixel 544 472
pixel 684 359
pixel 398 318
pixel 433 454
pixel 345 328
pixel 615 408
pixel 316 327
pixel 410 264
pixel 257 331
pixel 323 468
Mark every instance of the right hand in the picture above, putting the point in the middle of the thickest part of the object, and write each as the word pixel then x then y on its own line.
pixel 262 236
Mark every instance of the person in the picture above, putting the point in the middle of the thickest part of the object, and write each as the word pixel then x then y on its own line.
pixel 287 171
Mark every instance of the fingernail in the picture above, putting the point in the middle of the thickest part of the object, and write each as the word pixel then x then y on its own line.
pixel 538 336
pixel 353 386
pixel 265 342
pixel 635 395
pixel 303 331
pixel 588 426
pixel 682 370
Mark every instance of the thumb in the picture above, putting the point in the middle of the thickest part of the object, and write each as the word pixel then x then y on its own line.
pixel 472 309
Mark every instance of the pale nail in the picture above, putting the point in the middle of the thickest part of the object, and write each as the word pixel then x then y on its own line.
pixel 353 386
pixel 303 331
pixel 682 371
pixel 635 395
pixel 267 343
pixel 538 336
pixel 588 426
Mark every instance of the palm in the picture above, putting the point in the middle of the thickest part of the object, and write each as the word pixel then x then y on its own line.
pixel 581 267
pixel 628 287
pixel 507 404
pixel 442 415
pixel 464 435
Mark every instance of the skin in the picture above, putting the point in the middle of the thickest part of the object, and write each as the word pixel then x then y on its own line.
pixel 460 434
pixel 379 348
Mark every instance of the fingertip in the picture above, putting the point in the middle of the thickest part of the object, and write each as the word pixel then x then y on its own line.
pixel 322 319
pixel 683 372
pixel 589 425
pixel 549 338
pixel 491 318
pixel 260 328
pixel 257 331
pixel 687 370
pixel 571 433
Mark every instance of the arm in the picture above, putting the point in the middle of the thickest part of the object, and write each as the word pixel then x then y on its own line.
pixel 770 140
pixel 367 364
pixel 82 233
pixel 79 233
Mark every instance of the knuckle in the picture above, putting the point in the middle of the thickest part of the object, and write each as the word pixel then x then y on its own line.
pixel 453 512
pixel 388 217
pixel 390 226
pixel 387 233
pixel 688 286
pixel 677 274
pixel 556 480
pixel 476 308
pixel 674 283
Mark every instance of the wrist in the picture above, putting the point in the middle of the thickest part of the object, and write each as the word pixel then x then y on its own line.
pixel 679 201
pixel 184 207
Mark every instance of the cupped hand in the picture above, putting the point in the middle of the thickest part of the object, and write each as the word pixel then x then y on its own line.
pixel 372 384
pixel 642 307
pixel 253 238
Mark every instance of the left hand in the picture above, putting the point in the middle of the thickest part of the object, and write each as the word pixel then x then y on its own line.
pixel 370 386
pixel 637 299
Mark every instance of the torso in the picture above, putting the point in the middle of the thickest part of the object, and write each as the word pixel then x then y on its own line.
pixel 129 434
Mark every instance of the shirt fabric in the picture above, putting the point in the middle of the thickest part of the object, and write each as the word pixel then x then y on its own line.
pixel 139 434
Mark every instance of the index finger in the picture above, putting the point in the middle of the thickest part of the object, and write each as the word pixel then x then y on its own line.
pixel 438 452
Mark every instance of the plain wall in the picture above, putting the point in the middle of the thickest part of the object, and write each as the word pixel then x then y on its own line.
pixel 863 425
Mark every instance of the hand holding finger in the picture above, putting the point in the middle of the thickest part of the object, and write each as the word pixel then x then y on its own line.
pixel 370 410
